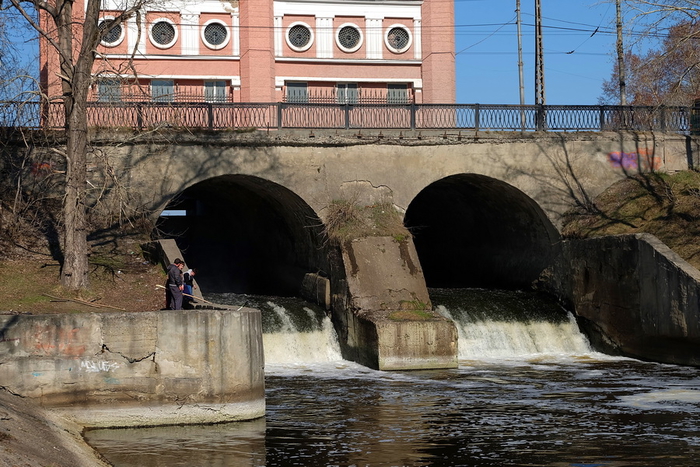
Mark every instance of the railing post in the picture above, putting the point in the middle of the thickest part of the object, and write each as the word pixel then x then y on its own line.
pixel 139 116
pixel 477 117
pixel 413 115
pixel 279 116
pixel 695 118
pixel 540 117
pixel 662 117
pixel 601 118
pixel 210 115
pixel 347 115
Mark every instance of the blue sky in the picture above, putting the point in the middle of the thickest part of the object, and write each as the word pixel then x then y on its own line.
pixel 576 61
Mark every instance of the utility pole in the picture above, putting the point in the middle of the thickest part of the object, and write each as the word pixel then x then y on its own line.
pixel 621 56
pixel 520 66
pixel 539 56
pixel 520 54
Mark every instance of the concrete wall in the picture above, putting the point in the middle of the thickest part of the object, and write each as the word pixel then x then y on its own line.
pixel 634 296
pixel 138 369
pixel 382 310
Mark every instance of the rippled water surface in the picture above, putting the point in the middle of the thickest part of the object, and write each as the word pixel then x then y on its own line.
pixel 548 401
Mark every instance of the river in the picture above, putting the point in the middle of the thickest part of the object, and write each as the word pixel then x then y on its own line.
pixel 529 391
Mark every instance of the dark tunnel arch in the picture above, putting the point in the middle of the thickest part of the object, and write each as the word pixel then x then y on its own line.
pixel 476 231
pixel 246 234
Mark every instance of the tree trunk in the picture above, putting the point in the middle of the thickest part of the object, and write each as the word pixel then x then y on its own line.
pixel 74 273
pixel 76 82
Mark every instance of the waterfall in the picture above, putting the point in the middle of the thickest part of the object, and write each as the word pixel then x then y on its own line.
pixel 315 342
pixel 491 324
pixel 499 324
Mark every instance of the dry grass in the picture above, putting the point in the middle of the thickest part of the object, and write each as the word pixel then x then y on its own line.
pixel 667 206
pixel 347 220
pixel 120 279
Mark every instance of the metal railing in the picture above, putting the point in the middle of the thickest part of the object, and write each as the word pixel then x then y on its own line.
pixel 284 115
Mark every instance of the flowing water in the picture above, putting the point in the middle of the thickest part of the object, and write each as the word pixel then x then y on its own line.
pixel 528 392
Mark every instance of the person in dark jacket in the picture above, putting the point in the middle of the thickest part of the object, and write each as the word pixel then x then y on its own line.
pixel 174 285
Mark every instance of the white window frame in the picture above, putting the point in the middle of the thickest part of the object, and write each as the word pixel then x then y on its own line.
pixel 121 36
pixel 224 43
pixel 311 38
pixel 171 43
pixel 359 43
pixel 391 47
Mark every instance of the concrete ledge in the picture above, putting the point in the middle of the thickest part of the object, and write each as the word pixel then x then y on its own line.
pixel 161 414
pixel 136 369
pixel 417 345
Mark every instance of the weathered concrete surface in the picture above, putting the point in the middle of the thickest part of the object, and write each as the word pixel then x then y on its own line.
pixel 382 309
pixel 138 369
pixel 634 296
pixel 554 169
pixel 31 436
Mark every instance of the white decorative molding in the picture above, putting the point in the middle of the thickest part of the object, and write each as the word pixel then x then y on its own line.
pixel 236 33
pixel 417 41
pixel 324 37
pixel 373 29
pixel 278 36
pixel 132 36
pixel 190 39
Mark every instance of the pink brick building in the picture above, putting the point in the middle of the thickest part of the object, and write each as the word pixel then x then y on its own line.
pixel 326 51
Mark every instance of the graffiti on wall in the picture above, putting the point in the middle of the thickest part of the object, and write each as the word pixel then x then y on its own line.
pixel 60 340
pixel 643 159
pixel 92 366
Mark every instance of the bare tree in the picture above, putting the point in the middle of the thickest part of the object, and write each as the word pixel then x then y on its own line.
pixel 74 34
pixel 668 72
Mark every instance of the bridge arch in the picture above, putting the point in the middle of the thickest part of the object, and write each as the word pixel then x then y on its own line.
pixel 246 234
pixel 472 230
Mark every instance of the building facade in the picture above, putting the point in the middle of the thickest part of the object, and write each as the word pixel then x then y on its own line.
pixel 315 51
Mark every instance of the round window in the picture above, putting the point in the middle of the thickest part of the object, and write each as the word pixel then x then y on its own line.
pixel 163 34
pixel 349 38
pixel 299 37
pixel 112 36
pixel 215 35
pixel 398 39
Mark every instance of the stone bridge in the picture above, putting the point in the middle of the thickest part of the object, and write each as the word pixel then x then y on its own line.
pixel 484 209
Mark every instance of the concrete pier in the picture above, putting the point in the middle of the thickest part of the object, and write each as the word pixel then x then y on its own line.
pixel 138 369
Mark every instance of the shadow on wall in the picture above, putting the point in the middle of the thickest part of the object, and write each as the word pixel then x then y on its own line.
pixel 475 231
pixel 245 234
